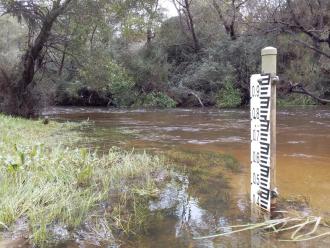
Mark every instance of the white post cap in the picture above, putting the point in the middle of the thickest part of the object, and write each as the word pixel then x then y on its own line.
pixel 268 60
pixel 269 51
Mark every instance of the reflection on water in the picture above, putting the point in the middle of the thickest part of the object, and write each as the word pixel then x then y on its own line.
pixel 195 208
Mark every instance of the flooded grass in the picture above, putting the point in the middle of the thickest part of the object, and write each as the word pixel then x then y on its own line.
pixel 99 137
pixel 50 185
pixel 200 160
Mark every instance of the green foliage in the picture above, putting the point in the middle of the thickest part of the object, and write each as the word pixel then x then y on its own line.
pixel 303 66
pixel 148 66
pixel 101 81
pixel 229 96
pixel 156 100
pixel 296 100
pixel 203 75
pixel 135 17
pixel 52 184
pixel 101 72
pixel 117 53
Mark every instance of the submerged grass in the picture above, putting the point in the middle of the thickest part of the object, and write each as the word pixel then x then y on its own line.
pixel 204 170
pixel 204 159
pixel 50 184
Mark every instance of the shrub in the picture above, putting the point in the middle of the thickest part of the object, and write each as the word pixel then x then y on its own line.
pixel 156 100
pixel 229 96
pixel 101 73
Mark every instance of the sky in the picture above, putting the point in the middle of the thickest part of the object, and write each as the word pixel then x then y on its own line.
pixel 170 9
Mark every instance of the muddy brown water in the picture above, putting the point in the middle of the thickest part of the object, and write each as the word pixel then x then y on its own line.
pixel 303 167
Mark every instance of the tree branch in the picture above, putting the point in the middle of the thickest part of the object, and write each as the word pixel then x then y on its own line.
pixel 299 89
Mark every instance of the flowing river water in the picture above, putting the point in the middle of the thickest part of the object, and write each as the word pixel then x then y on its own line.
pixel 220 200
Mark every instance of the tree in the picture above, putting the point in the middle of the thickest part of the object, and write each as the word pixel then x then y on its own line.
pixel 151 8
pixel 40 18
pixel 307 22
pixel 184 7
pixel 313 19
pixel 229 12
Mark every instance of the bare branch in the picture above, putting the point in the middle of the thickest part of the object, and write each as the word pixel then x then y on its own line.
pixel 299 89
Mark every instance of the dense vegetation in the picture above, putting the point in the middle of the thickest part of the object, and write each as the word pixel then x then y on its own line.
pixel 47 186
pixel 128 53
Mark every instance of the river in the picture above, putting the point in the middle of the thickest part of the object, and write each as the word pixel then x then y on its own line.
pixel 303 165
pixel 206 198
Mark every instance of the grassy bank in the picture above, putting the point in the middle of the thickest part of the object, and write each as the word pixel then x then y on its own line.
pixel 46 184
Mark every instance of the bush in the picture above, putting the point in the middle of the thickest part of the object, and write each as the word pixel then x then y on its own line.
pixel 156 100
pixel 229 96
pixel 295 100
pixel 77 94
pixel 101 73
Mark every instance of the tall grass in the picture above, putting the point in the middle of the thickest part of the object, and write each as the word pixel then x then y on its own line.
pixel 48 183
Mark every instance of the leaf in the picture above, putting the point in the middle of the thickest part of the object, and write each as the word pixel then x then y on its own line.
pixel 12 168
pixel 22 157
pixel 33 152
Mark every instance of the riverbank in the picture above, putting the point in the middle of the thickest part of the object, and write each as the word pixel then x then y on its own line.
pixel 229 97
pixel 50 190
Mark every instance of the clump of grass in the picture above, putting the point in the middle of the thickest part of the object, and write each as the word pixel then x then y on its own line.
pixel 53 184
pixel 22 131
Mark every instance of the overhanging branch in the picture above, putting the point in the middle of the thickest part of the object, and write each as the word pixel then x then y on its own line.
pixel 300 89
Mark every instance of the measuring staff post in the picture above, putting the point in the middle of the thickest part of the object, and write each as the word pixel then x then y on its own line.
pixel 263 132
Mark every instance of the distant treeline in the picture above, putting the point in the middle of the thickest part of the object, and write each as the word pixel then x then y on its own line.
pixel 128 53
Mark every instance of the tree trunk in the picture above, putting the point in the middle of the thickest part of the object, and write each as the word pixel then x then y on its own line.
pixel 229 27
pixel 192 26
pixel 150 35
pixel 20 99
pixel 60 70
pixel 92 39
